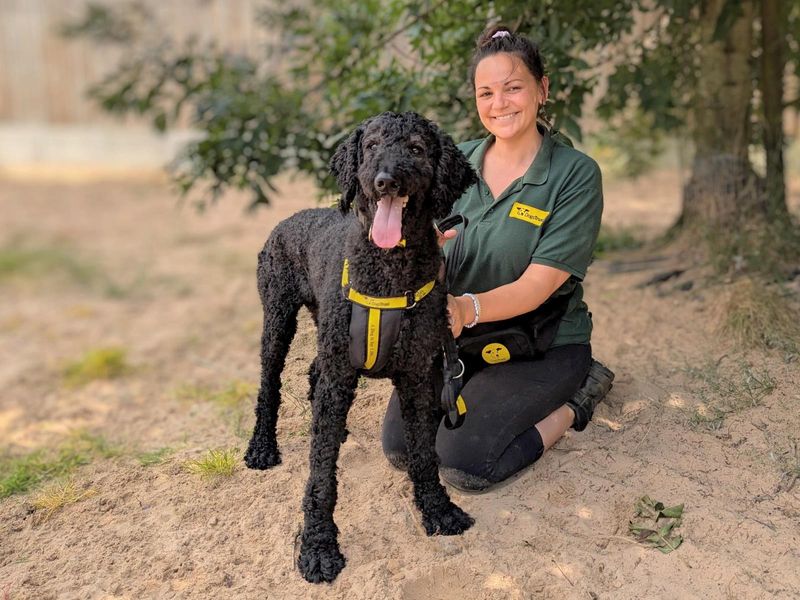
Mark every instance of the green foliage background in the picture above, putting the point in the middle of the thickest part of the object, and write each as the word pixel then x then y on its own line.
pixel 336 63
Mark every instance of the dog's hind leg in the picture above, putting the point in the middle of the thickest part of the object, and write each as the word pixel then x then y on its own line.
pixel 439 514
pixel 281 305
pixel 320 558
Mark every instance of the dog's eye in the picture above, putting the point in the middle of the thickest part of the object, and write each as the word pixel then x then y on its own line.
pixel 372 145
pixel 416 150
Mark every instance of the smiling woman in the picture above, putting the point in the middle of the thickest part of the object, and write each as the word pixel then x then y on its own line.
pixel 508 98
pixel 515 274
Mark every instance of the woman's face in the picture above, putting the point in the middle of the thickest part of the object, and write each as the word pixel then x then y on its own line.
pixel 507 95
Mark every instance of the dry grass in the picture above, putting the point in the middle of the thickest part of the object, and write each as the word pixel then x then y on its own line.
pixel 723 393
pixel 155 457
pixel 235 401
pixel 20 259
pixel 758 315
pixel 215 464
pixel 24 261
pixel 788 463
pixel 18 474
pixel 233 395
pixel 101 363
pixel 56 496
pixel 615 239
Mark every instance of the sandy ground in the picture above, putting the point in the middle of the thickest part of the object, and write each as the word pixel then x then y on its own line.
pixel 176 290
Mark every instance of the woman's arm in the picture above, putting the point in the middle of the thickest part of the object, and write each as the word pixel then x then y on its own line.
pixel 527 293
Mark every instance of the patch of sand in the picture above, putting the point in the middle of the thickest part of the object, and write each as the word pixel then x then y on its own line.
pixel 176 289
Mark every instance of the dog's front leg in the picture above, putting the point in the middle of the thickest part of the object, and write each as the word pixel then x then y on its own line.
pixel 439 514
pixel 320 558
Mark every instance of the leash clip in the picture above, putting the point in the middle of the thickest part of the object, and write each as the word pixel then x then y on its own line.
pixel 460 375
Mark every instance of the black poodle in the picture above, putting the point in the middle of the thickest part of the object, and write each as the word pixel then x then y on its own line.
pixel 398 173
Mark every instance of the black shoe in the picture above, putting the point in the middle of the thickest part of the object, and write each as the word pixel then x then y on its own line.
pixel 464 482
pixel 595 387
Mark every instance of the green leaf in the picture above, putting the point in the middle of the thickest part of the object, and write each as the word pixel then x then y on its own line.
pixel 657 537
pixel 673 544
pixel 665 529
pixel 674 512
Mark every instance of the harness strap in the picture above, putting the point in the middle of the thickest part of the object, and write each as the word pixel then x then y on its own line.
pixel 373 337
pixel 375 322
pixel 373 333
pixel 409 300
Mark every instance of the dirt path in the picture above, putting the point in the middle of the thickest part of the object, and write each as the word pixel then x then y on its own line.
pixel 119 265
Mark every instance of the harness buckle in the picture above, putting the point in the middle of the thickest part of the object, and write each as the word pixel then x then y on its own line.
pixel 411 300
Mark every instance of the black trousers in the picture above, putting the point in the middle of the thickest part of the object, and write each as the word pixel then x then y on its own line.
pixel 504 403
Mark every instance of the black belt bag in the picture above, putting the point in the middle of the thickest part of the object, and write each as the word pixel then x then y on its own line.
pixel 524 337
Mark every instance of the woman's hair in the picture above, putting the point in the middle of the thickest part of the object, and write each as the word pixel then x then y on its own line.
pixel 489 43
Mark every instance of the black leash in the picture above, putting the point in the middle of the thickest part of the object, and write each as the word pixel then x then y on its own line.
pixel 453 375
pixel 453 369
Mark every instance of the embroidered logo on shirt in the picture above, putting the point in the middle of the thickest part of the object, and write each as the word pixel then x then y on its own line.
pixel 529 214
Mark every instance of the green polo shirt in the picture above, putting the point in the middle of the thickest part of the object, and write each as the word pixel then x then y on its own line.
pixel 549 216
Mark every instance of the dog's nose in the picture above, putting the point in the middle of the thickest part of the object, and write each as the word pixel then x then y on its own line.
pixel 385 183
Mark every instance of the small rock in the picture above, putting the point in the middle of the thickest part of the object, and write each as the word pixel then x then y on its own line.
pixel 213 521
pixel 227 580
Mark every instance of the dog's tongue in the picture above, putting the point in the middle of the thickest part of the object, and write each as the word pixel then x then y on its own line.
pixel 387 225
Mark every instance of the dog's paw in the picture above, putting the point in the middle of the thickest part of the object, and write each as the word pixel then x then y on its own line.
pixel 262 456
pixel 450 521
pixel 321 562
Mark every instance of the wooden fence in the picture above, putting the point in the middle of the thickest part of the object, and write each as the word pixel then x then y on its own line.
pixel 44 76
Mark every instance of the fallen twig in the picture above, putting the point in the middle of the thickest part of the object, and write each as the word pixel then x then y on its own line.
pixel 562 572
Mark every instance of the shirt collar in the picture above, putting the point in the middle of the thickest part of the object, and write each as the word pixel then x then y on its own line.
pixel 538 171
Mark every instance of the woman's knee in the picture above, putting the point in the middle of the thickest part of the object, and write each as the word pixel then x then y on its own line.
pixel 464 459
pixel 468 465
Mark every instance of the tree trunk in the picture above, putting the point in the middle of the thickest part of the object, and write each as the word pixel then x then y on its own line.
pixel 772 65
pixel 723 193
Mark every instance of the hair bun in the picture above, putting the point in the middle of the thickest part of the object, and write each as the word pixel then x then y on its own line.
pixel 491 33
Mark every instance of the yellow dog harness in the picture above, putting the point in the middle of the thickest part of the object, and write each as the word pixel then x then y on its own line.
pixel 375 322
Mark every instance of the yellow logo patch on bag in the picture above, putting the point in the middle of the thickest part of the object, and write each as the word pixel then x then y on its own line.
pixel 495 353
pixel 529 214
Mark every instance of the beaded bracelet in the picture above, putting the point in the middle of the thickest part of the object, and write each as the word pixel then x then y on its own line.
pixel 477 306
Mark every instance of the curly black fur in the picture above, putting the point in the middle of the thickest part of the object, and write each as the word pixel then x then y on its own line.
pixel 301 265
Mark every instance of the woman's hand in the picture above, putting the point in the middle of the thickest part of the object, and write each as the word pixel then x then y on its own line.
pixel 441 238
pixel 458 313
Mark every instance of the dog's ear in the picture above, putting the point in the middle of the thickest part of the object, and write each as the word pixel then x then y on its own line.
pixel 454 174
pixel 344 167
